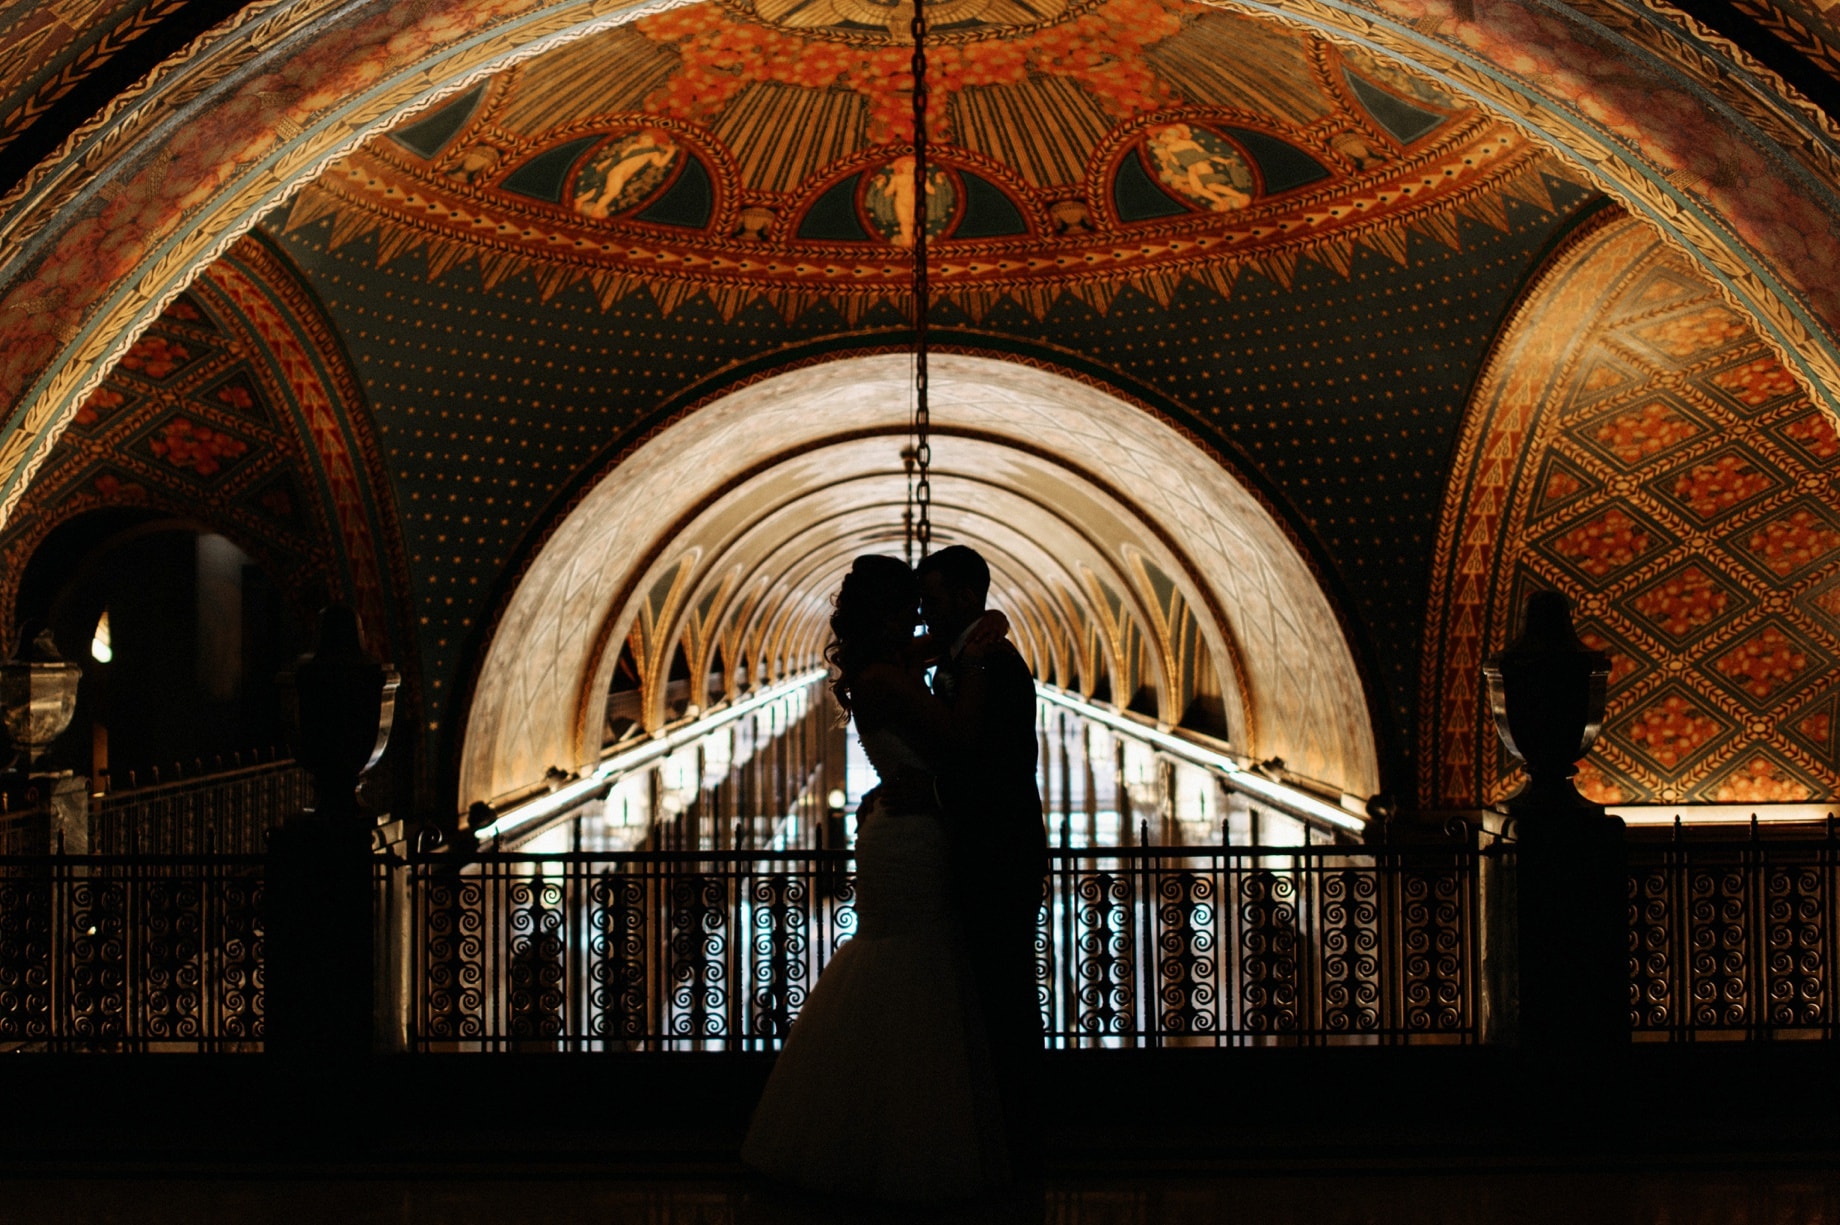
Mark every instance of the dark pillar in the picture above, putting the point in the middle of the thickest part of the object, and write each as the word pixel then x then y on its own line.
pixel 1568 978
pixel 320 942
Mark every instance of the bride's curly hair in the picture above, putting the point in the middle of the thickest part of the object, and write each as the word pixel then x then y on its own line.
pixel 875 587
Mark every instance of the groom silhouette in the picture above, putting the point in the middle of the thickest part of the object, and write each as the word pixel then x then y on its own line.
pixel 999 848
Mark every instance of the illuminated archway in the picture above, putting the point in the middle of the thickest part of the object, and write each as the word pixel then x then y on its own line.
pixel 767 493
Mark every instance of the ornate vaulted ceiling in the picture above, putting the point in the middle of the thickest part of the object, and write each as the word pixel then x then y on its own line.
pixel 1297 251
pixel 742 152
pixel 1636 446
pixel 1299 255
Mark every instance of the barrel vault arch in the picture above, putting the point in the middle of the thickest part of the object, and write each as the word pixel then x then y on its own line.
pixel 1291 684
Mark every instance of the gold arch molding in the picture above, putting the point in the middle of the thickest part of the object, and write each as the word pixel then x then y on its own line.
pixel 672 540
pixel 132 207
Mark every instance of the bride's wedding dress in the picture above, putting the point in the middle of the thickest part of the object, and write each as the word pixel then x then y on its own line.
pixel 884 1086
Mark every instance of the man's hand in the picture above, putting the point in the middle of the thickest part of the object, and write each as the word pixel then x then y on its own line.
pixel 986 633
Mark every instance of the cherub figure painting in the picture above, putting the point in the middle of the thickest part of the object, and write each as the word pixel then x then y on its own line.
pixel 888 199
pixel 623 173
pixel 1202 167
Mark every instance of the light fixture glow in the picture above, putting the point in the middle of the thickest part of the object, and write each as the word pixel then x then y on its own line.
pixel 1722 814
pixel 601 779
pixel 100 647
pixel 1282 796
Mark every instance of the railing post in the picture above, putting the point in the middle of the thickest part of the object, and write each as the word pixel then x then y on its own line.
pixel 1569 863
pixel 320 938
pixel 1497 933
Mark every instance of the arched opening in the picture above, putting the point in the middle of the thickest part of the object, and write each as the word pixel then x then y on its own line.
pixel 750 509
pixel 181 637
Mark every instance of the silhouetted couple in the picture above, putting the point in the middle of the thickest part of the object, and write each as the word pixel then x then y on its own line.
pixel 912 1071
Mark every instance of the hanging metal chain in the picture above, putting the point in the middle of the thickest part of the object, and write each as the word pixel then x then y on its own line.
pixel 920 497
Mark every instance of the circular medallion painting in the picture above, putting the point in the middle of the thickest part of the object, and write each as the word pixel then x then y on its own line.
pixel 888 201
pixel 1200 167
pixel 624 172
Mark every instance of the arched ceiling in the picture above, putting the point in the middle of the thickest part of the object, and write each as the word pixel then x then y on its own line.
pixel 1103 525
pixel 1685 127
pixel 1635 445
pixel 746 151
pixel 1341 394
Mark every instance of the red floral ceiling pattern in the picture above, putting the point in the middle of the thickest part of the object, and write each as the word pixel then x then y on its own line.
pixel 1125 142
pixel 238 410
pixel 1637 447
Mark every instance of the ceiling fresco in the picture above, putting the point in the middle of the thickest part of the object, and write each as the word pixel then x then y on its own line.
pixel 1298 254
pixel 495 405
pixel 237 410
pixel 743 153
pixel 1639 448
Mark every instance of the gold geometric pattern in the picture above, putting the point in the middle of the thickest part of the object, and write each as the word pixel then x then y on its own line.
pixel 1682 506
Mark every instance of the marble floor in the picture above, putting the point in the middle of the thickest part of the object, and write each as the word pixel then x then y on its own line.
pixel 1754 1194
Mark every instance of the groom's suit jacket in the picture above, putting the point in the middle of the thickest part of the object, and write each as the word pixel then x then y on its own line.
pixel 991 802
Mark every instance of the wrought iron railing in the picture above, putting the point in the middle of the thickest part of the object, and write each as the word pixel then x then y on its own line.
pixel 645 950
pixel 228 812
pixel 143 953
pixel 1734 939
pixel 1140 946
pixel 1241 946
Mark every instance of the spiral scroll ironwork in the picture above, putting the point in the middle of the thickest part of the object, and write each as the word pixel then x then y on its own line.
pixel 699 956
pixel 96 986
pixel 1794 952
pixel 25 958
pixel 1105 973
pixel 1718 947
pixel 1269 950
pixel 1185 948
pixel 238 943
pixel 535 994
pixel 1350 940
pixel 171 926
pixel 780 910
pixel 1652 967
pixel 617 948
pixel 453 956
pixel 1432 921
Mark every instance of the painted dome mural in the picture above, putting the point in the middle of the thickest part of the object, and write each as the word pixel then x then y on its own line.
pixel 1303 255
pixel 746 151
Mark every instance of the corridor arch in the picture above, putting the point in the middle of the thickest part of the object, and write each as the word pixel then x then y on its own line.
pixel 801 471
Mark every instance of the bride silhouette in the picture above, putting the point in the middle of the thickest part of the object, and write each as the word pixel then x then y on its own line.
pixel 885 1087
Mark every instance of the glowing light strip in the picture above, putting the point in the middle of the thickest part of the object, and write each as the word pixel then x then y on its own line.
pixel 1721 814
pixel 603 777
pixel 1282 796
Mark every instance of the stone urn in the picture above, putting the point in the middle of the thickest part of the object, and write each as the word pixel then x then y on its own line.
pixel 38 697
pixel 342 704
pixel 1558 951
pixel 1546 693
